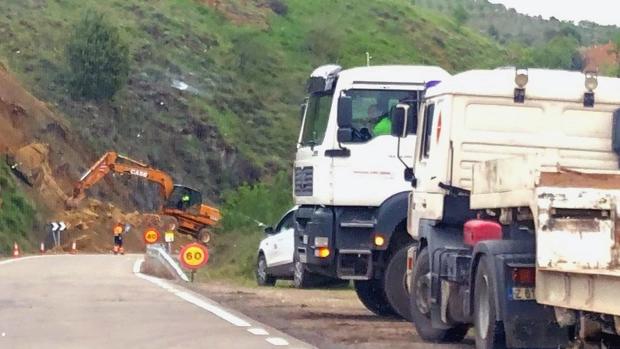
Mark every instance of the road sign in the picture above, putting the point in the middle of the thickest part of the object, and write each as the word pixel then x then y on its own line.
pixel 194 256
pixel 169 236
pixel 57 228
pixel 151 236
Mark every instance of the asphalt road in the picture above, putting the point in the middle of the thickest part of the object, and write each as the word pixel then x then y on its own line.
pixel 102 302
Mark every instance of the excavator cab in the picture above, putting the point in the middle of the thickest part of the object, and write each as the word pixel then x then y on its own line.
pixel 183 198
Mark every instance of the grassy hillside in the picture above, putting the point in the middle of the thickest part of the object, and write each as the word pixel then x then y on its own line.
pixel 242 65
pixel 16 214
pixel 506 24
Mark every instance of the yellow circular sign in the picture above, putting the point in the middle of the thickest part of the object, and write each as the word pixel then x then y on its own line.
pixel 194 256
pixel 151 236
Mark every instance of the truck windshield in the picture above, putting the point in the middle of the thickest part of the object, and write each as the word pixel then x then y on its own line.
pixel 371 110
pixel 317 114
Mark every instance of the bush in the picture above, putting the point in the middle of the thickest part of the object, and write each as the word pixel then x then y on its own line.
pixel 98 59
pixel 278 7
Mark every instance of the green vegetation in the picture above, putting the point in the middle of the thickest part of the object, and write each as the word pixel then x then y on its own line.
pixel 507 25
pixel 17 214
pixel 213 93
pixel 243 211
pixel 97 57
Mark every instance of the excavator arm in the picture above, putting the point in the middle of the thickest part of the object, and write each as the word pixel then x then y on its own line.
pixel 116 163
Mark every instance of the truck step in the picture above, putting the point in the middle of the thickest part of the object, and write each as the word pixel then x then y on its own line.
pixel 359 224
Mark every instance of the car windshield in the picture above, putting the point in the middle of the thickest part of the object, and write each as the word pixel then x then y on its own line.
pixel 315 121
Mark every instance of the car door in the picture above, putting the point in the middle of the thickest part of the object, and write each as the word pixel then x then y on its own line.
pixel 283 240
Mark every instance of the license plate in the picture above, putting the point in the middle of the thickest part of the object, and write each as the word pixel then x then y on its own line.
pixel 523 293
pixel 303 258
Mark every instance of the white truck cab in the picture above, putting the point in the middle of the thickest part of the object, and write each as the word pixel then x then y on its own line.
pixel 348 181
pixel 516 180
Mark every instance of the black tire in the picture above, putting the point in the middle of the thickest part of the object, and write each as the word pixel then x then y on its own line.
pixel 262 277
pixel 372 295
pixel 420 306
pixel 395 283
pixel 489 330
pixel 301 277
pixel 204 236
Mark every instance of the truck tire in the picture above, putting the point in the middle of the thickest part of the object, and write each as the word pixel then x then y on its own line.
pixel 301 277
pixel 489 330
pixel 204 236
pixel 420 305
pixel 262 277
pixel 372 295
pixel 395 283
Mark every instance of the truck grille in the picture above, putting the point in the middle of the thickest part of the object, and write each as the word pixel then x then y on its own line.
pixel 303 181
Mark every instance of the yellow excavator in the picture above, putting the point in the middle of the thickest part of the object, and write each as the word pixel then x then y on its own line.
pixel 180 202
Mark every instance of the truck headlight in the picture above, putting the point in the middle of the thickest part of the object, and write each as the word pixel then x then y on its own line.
pixel 321 241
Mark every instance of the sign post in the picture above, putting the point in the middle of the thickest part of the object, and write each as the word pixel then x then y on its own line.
pixel 169 239
pixel 194 256
pixel 57 228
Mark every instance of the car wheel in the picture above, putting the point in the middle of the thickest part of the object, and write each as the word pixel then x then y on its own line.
pixel 420 305
pixel 395 281
pixel 262 277
pixel 489 330
pixel 372 295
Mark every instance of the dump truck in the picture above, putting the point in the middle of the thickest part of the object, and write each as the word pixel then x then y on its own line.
pixel 351 221
pixel 514 208
pixel 183 203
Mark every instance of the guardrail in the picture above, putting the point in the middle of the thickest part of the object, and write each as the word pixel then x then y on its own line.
pixel 159 252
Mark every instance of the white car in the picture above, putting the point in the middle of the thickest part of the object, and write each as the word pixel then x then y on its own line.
pixel 276 256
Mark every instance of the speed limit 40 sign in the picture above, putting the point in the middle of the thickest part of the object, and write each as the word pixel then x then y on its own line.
pixel 194 256
pixel 151 236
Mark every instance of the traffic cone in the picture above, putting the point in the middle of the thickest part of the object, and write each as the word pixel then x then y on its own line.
pixel 15 250
pixel 42 248
pixel 73 247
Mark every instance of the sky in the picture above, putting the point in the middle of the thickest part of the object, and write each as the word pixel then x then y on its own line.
pixel 599 11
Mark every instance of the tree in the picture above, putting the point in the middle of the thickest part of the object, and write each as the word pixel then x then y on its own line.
pixel 460 15
pixel 98 58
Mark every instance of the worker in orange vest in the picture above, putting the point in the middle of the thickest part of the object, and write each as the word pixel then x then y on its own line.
pixel 118 239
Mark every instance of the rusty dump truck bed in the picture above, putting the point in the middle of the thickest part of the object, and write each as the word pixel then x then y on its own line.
pixel 577 228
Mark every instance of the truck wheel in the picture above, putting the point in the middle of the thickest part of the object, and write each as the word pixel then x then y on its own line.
pixel 489 330
pixel 301 277
pixel 372 295
pixel 204 236
pixel 262 277
pixel 420 305
pixel 395 283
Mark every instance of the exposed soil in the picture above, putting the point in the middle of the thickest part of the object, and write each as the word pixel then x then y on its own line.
pixel 47 158
pixel 332 318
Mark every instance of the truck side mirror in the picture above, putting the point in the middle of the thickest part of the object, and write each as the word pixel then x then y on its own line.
pixel 269 230
pixel 399 120
pixel 410 176
pixel 615 132
pixel 345 112
pixel 345 135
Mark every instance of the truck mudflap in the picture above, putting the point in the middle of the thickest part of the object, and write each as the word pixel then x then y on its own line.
pixel 578 241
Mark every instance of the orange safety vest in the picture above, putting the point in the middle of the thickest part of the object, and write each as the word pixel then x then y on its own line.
pixel 118 230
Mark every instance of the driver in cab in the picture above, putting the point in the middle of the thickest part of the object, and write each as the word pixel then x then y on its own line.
pixel 381 121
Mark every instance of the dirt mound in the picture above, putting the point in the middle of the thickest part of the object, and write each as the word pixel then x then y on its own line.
pixel 48 157
pixel 91 226
pixel 252 12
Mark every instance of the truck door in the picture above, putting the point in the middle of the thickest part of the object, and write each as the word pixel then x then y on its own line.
pixel 372 171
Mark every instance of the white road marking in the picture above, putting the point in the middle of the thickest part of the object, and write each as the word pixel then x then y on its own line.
pixel 9 261
pixel 191 298
pixel 258 331
pixel 277 341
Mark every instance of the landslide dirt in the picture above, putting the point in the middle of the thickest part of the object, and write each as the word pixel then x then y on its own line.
pixel 327 318
pixel 48 158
